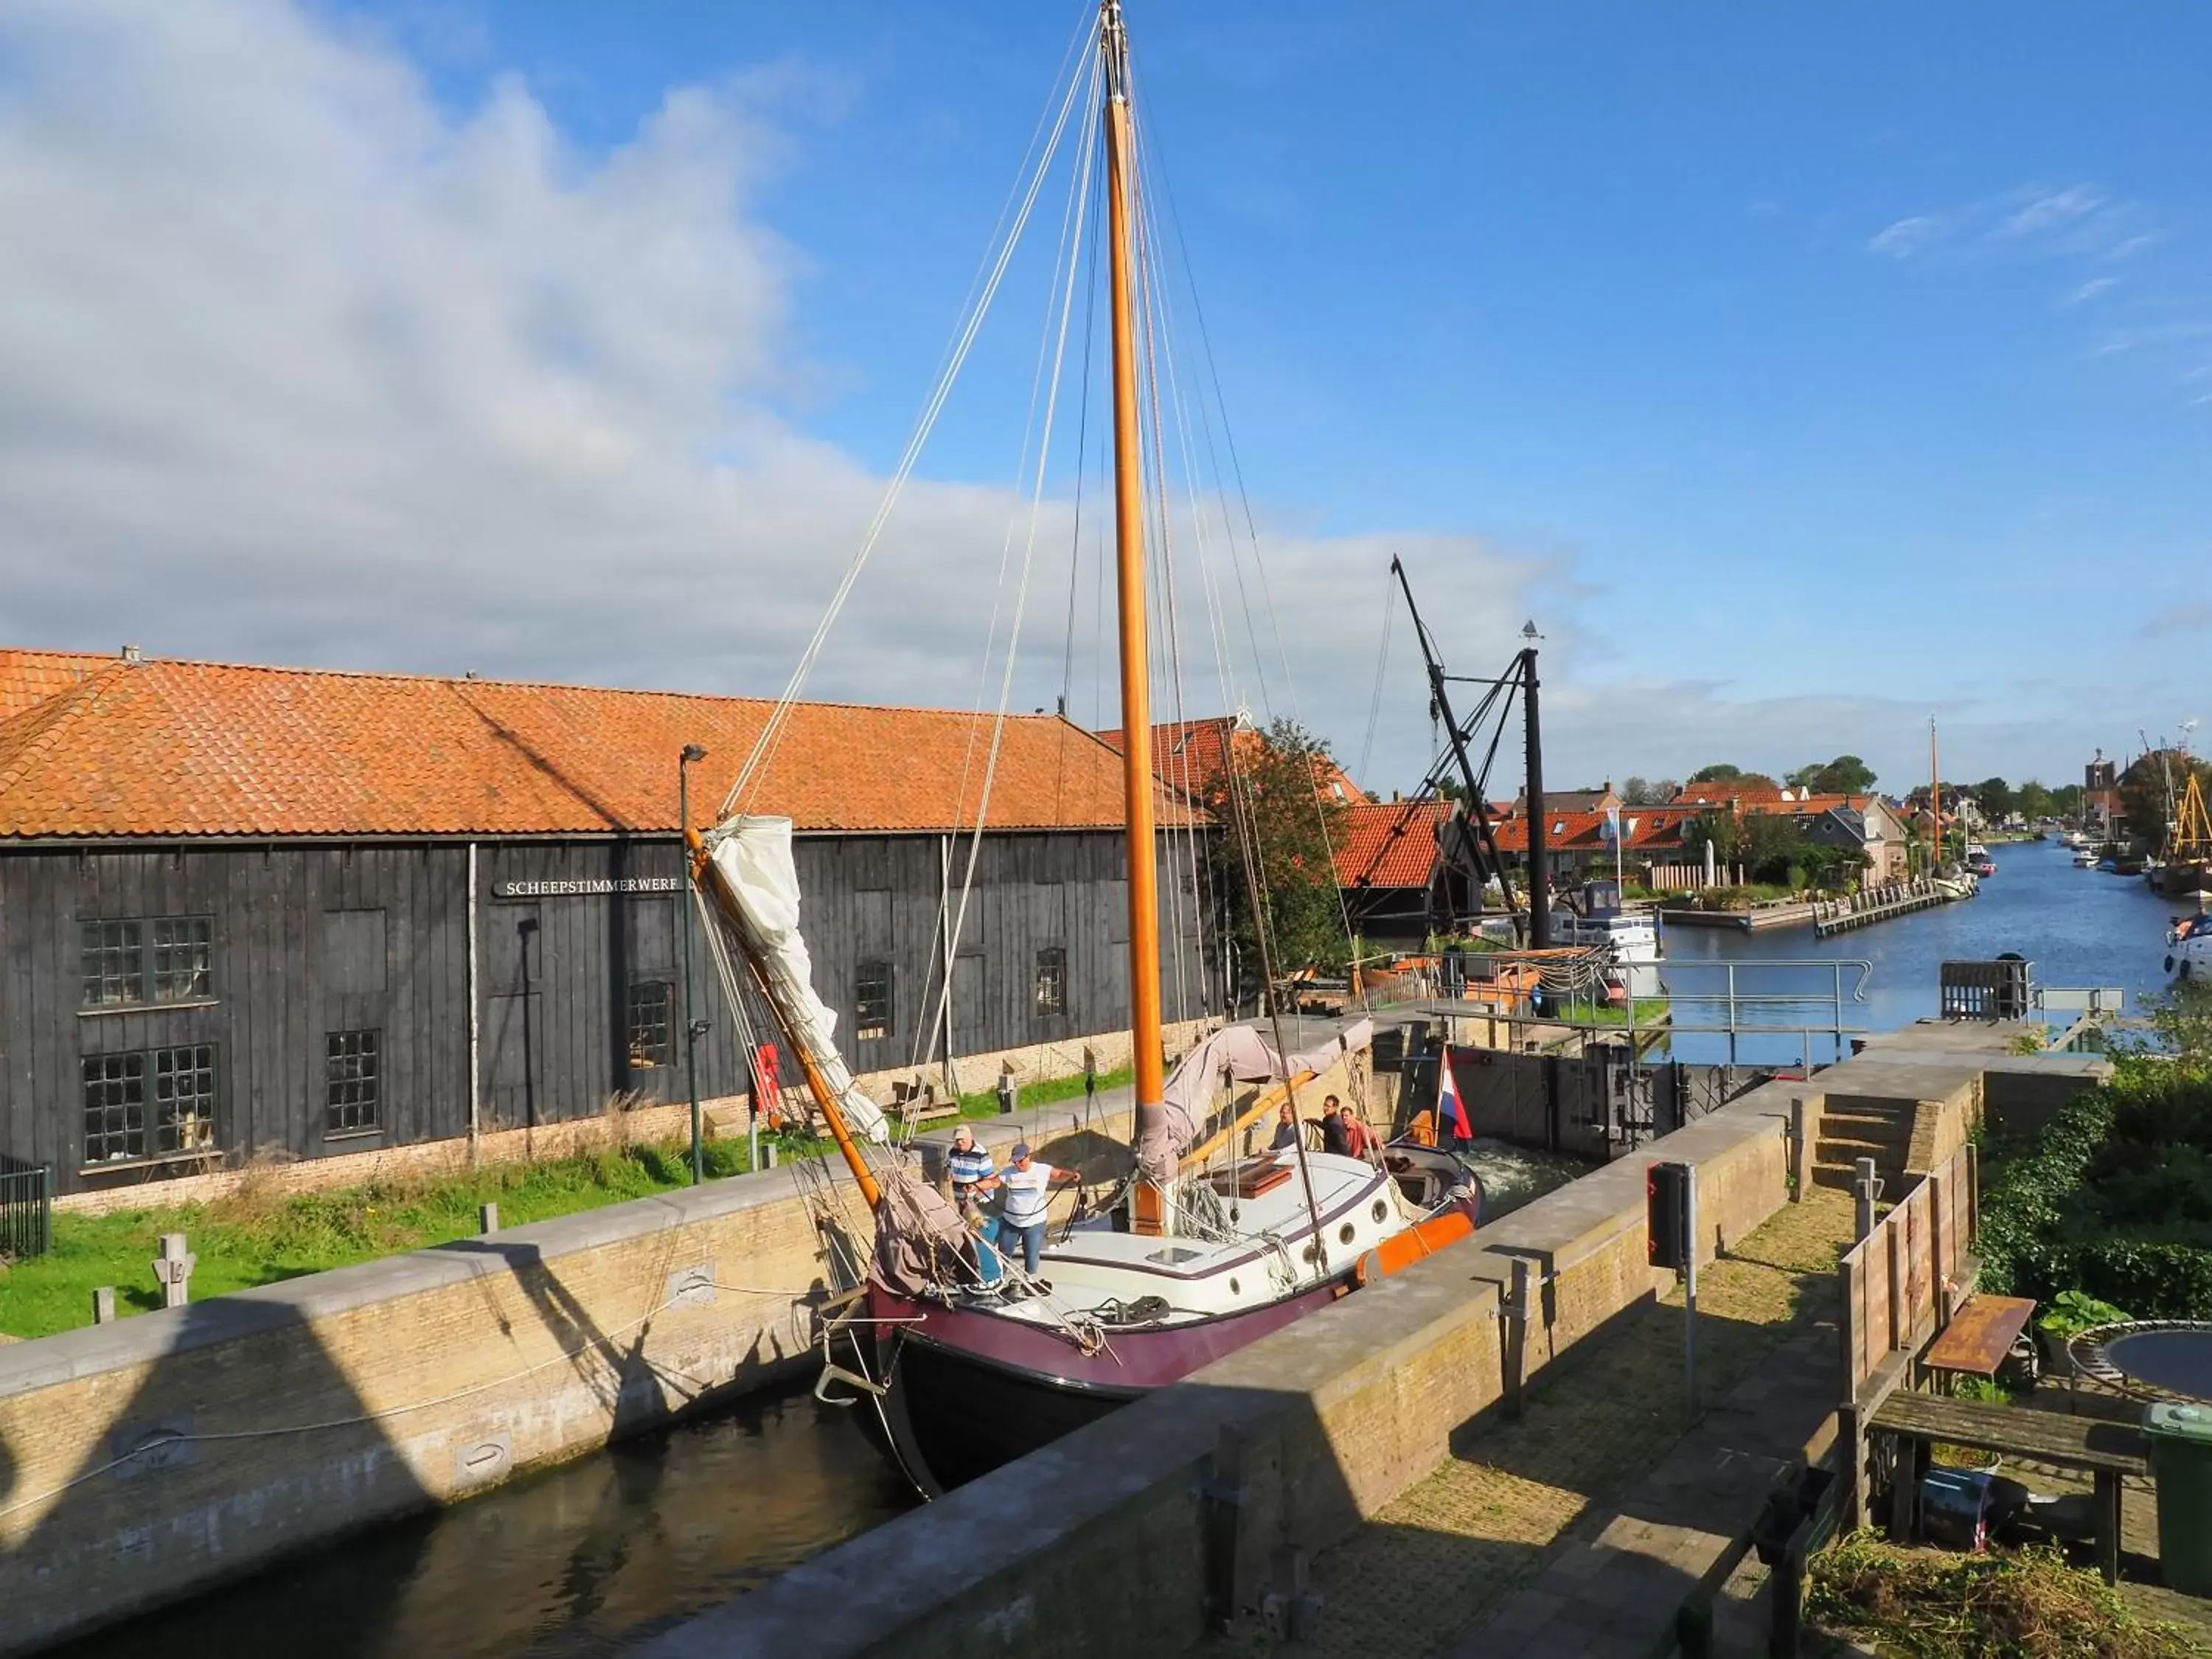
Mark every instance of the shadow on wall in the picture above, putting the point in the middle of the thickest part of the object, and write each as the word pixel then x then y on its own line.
pixel 243 1429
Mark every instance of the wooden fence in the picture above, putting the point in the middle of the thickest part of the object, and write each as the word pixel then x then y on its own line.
pixel 1898 1279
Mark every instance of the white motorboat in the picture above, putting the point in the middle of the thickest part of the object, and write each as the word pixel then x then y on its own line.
pixel 1629 939
pixel 2085 855
pixel 2189 948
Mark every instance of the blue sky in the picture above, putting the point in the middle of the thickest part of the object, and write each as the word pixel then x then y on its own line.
pixel 1800 371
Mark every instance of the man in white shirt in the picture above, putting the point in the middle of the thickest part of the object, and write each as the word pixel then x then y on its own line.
pixel 1028 1185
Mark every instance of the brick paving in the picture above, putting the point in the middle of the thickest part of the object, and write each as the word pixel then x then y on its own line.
pixel 1417 1577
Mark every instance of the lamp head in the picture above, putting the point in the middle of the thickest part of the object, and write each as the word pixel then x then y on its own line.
pixel 692 751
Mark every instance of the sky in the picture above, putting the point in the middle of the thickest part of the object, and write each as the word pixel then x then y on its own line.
pixel 1799 374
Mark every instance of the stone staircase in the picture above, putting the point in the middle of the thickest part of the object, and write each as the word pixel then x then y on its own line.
pixel 1853 1128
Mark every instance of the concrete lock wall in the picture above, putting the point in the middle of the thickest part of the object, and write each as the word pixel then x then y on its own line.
pixel 147 1459
pixel 1098 1545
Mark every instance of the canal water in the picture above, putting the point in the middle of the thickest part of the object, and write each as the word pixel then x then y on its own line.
pixel 2078 928
pixel 575 1561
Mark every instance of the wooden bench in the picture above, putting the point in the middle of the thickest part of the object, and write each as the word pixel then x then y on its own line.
pixel 1979 1337
pixel 2110 1451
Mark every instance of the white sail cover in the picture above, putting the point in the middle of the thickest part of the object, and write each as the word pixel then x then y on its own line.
pixel 1247 1057
pixel 752 855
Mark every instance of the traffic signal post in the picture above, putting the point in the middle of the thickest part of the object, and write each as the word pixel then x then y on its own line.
pixel 1671 1215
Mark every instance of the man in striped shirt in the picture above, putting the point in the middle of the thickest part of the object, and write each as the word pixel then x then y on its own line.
pixel 969 1167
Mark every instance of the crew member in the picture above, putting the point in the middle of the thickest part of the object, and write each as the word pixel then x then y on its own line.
pixel 1028 1185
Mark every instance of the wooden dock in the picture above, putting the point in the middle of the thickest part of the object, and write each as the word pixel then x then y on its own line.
pixel 1877 903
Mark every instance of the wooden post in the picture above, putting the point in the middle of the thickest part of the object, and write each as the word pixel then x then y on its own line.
pixel 2108 1525
pixel 1798 1160
pixel 103 1306
pixel 487 1218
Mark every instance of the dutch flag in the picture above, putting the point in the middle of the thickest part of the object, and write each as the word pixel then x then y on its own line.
pixel 1451 1111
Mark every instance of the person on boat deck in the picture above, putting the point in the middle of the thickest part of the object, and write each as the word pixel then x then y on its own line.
pixel 1286 1129
pixel 1335 1128
pixel 968 1166
pixel 1028 1185
pixel 1359 1140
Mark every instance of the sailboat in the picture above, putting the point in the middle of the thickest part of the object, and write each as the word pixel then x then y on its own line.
pixel 967 1362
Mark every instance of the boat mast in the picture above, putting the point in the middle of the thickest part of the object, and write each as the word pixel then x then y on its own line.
pixel 1138 784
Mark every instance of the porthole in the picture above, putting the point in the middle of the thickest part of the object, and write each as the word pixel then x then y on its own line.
pixel 1380 1211
pixel 1232 1287
pixel 1344 1234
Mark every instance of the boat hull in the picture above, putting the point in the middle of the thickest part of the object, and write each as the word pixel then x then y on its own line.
pixel 970 1389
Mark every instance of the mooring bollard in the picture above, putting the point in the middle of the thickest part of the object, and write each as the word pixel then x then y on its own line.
pixel 487 1218
pixel 103 1306
pixel 769 1152
pixel 1866 1187
pixel 173 1270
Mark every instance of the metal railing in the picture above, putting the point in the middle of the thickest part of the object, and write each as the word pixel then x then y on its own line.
pixel 27 1209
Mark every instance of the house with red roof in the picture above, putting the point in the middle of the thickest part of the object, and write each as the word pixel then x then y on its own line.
pixel 246 908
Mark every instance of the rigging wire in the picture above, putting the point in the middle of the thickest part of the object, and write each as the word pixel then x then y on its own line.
pixel 1054 349
pixel 771 732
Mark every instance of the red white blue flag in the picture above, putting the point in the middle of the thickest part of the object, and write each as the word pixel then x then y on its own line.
pixel 1451 1110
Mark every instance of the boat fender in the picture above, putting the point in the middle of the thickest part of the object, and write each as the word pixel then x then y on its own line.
pixel 1402 1251
pixel 2169 964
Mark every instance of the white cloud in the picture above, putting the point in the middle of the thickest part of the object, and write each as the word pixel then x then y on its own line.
pixel 2052 209
pixel 297 366
pixel 2090 289
pixel 1907 236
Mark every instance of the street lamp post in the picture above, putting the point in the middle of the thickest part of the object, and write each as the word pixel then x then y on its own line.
pixel 692 1026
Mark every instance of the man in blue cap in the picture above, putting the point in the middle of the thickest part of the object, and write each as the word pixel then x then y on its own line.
pixel 1028 1185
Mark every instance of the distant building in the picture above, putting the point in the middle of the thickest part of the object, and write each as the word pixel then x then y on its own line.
pixel 248 908
pixel 2102 809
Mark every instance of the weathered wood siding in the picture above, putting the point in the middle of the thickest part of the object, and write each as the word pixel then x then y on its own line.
pixel 308 940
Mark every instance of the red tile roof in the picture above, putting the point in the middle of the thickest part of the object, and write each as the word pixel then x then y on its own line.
pixel 1189 755
pixel 1388 843
pixel 99 746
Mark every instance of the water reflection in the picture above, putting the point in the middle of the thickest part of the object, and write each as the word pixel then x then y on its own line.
pixel 578 1560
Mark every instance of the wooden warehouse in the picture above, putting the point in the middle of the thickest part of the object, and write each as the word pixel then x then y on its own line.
pixel 247 908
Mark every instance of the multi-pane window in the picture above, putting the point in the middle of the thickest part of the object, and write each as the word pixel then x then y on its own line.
pixel 114 963
pixel 184 1098
pixel 123 1119
pixel 183 951
pixel 1051 982
pixel 649 1003
pixel 872 1001
pixel 129 963
pixel 352 1077
pixel 114 1106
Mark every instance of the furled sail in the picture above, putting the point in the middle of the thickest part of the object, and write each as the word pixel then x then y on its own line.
pixel 1247 1057
pixel 752 855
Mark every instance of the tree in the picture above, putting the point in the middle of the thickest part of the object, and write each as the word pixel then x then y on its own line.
pixel 1995 798
pixel 2148 788
pixel 2034 801
pixel 2066 800
pixel 1647 792
pixel 1846 775
pixel 1721 773
pixel 1291 826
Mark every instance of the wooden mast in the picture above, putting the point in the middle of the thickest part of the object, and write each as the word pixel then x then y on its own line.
pixel 1139 788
